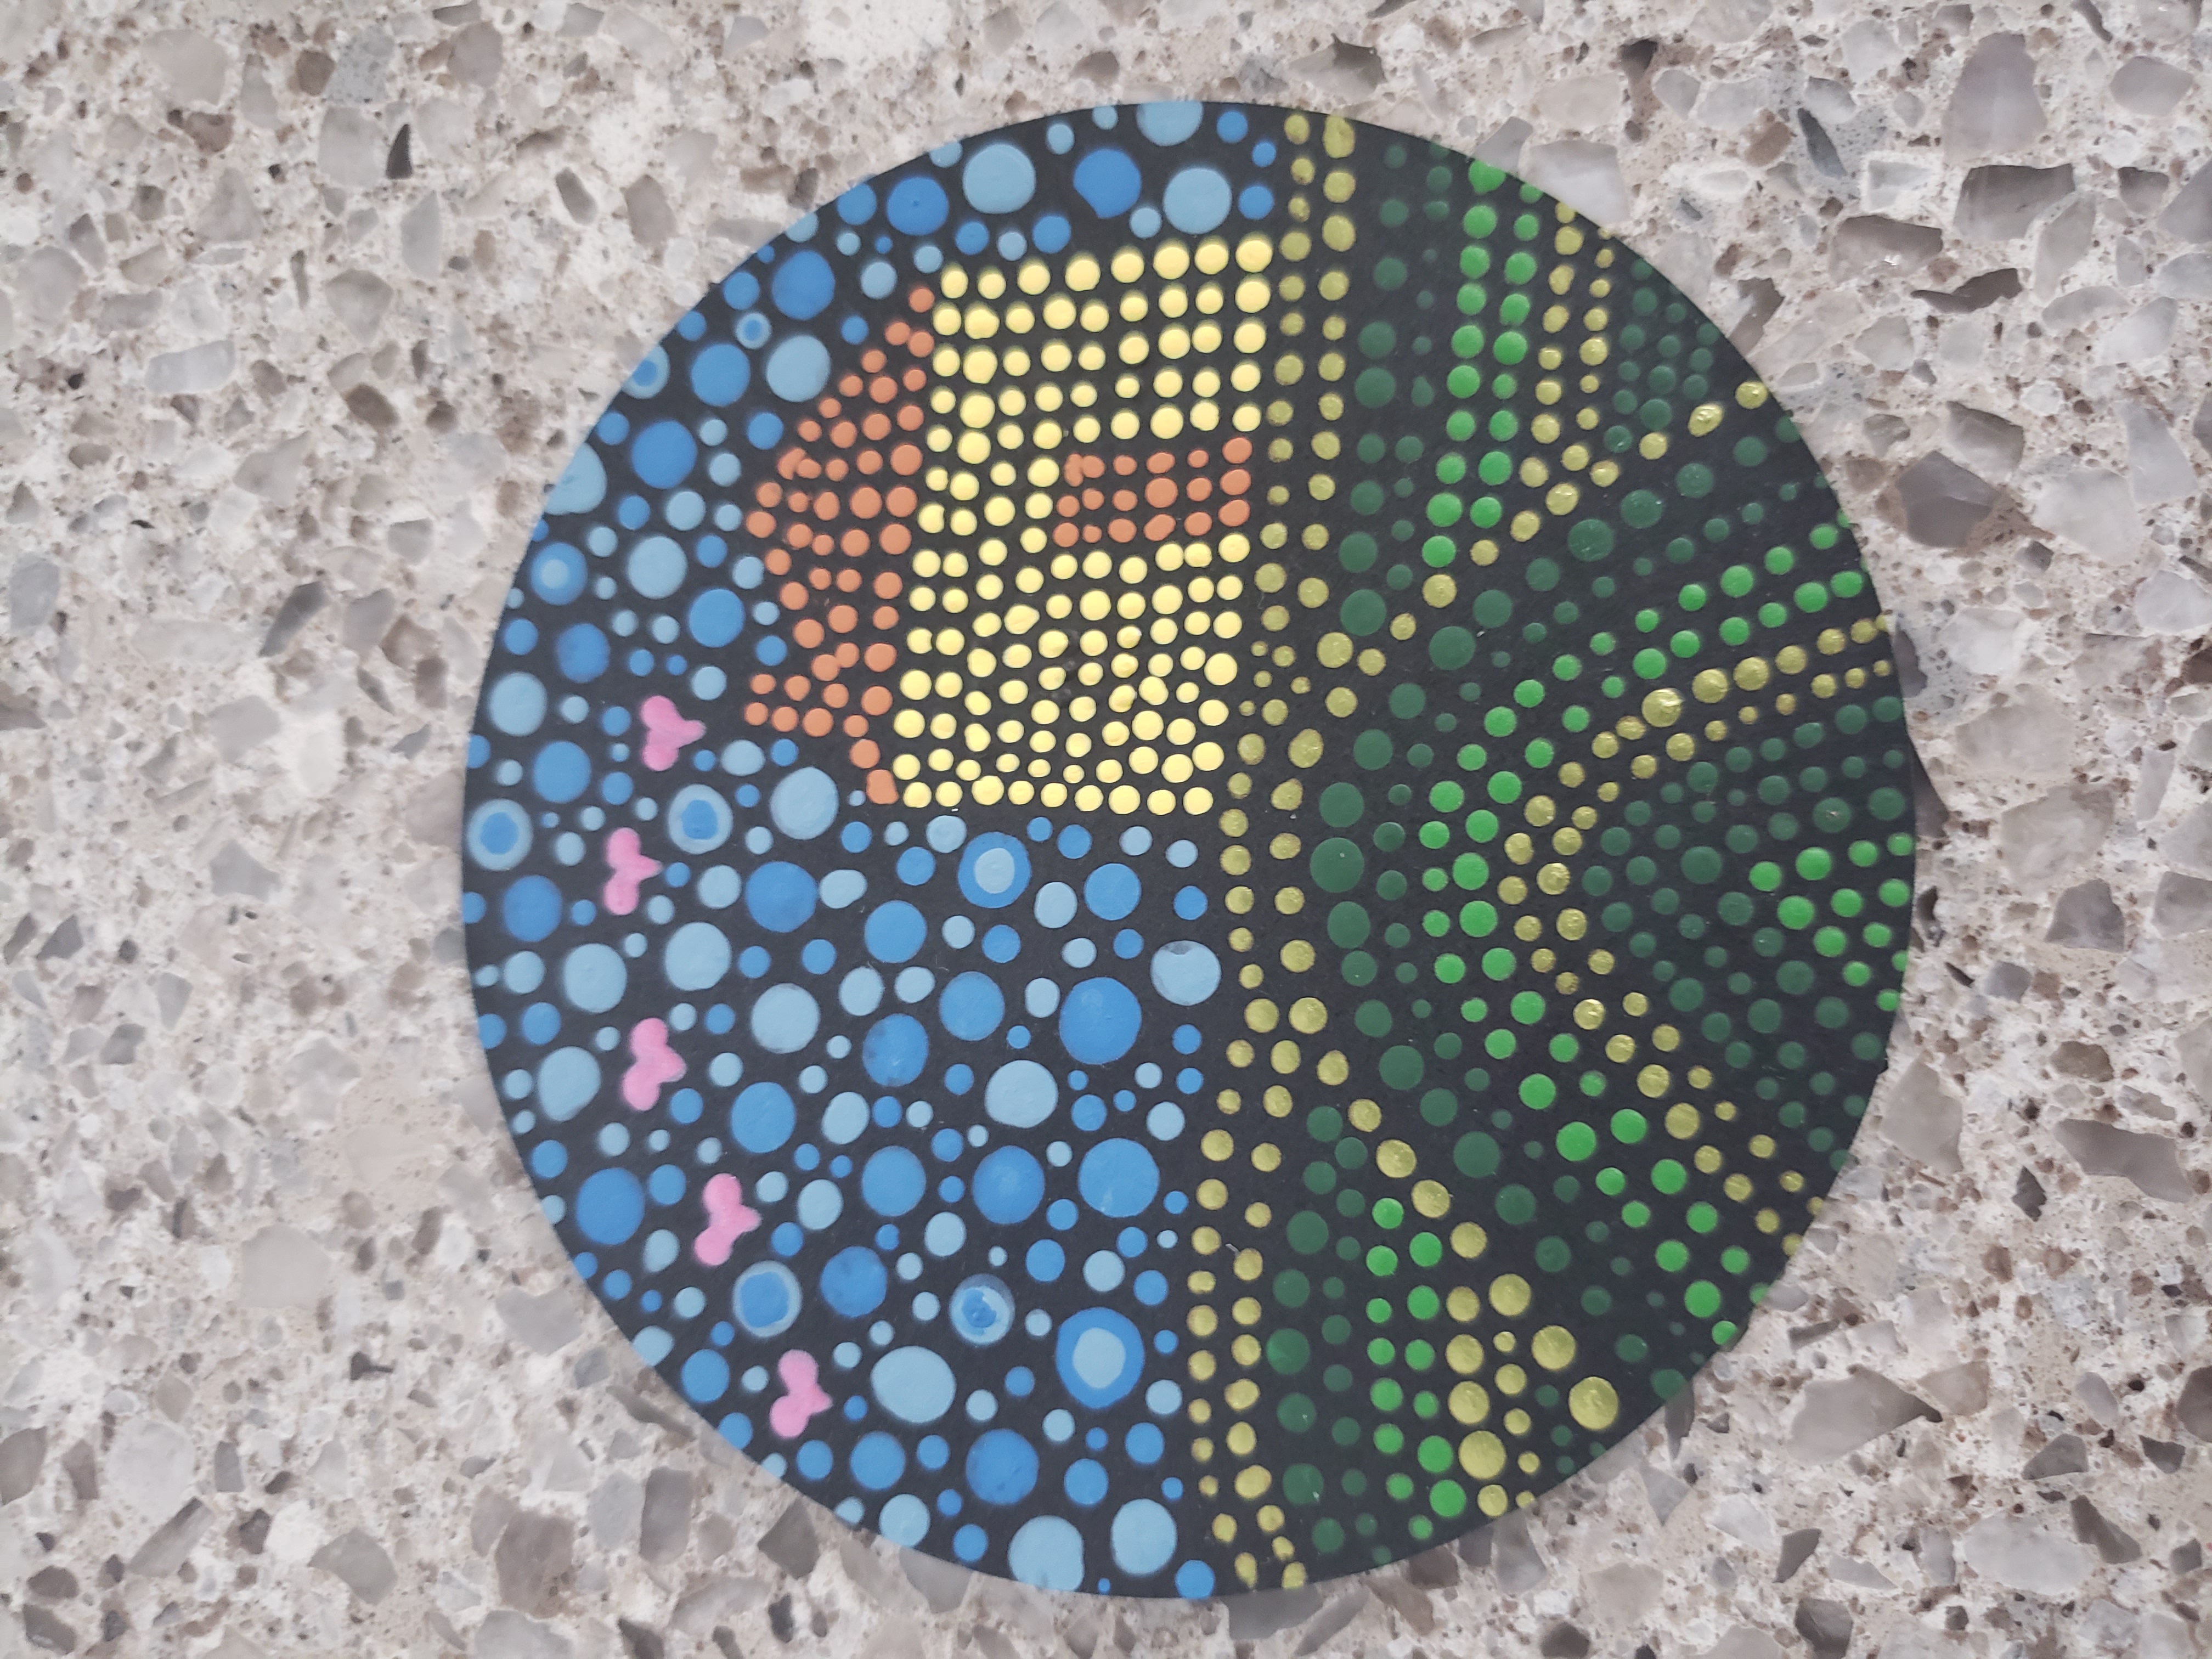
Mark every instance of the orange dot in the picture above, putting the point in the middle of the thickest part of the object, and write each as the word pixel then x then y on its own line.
pixel 1159 492
pixel 1064 535
pixel 895 538
pixel 850 386
pixel 1159 461
pixel 921 299
pixel 784 719
pixel 808 633
pixel 1235 512
pixel 855 727
pixel 868 501
pixel 810 428
pixel 836 694
pixel 1198 524
pixel 1237 449
pixel 906 460
pixel 883 388
pixel 877 426
pixel 896 330
pixel 792 595
pixel 824 666
pixel 818 577
pixel 845 432
pixel 1125 465
pixel 1122 531
pixel 760 524
pixel 877 699
pixel 823 546
pixel 1237 482
pixel 882 790
pixel 844 619
pixel 885 618
pixel 1197 458
pixel 909 418
pixel 762 684
pixel 871 360
pixel 922 343
pixel 1159 527
pixel 819 722
pixel 796 687
pixel 1199 488
pixel 756 713
pixel 777 560
pixel 869 462
pixel 887 584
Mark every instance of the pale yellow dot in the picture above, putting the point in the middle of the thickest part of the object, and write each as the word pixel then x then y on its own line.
pixel 1553 1347
pixel 1510 1295
pixel 1594 1403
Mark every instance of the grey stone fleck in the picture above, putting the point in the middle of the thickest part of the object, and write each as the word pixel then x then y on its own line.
pixel 1826 1626
pixel 201 368
pixel 1998 203
pixel 1260 1613
pixel 360 1562
pixel 1515 1560
pixel 1944 503
pixel 45 1630
pixel 2144 86
pixel 280 1266
pixel 240 726
pixel 535 1558
pixel 360 298
pixel 790 1543
pixel 943 1584
pixel 165 1551
pixel 1836 1416
pixel 1797 1549
pixel 230 215
pixel 651 219
pixel 1922 1118
pixel 1995 106
pixel 23 1457
pixel 665 1526
pixel 2086 917
pixel 2193 1405
pixel 350 149
pixel 2064 1455
pixel 2019 1552
pixel 194 69
pixel 2152 1162
pixel 477 54
pixel 507 1635
pixel 34 587
pixel 546 1323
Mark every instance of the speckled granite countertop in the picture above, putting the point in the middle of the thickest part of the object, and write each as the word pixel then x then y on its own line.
pixel 300 310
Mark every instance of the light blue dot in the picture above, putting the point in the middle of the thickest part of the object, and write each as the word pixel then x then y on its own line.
pixel 1185 972
pixel 904 1520
pixel 804 804
pixel 516 704
pixel 1021 1094
pixel 582 485
pixel 1169 123
pixel 655 567
pixel 696 956
pixel 998 179
pixel 1060 137
pixel 1118 1178
pixel 878 279
pixel 798 368
pixel 593 978
pixel 557 573
pixel 567 1078
pixel 1046 1552
pixel 913 1384
pixel 1009 1185
pixel 1085 1483
pixel 1195 200
pixel 1111 891
pixel 857 205
pixel 785 1019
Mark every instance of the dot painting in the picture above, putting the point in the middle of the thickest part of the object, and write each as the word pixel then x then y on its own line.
pixel 1188 850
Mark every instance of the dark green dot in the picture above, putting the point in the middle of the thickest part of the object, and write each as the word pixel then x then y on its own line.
pixel 1373 750
pixel 1288 1351
pixel 1364 610
pixel 1338 865
pixel 1341 805
pixel 1348 923
pixel 1517 1206
pixel 1402 1066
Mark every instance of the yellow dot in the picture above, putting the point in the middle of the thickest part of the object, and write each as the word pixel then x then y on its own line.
pixel 1468 1240
pixel 1750 394
pixel 1703 418
pixel 1653 1081
pixel 1482 1454
pixel 1681 1119
pixel 1553 1347
pixel 1594 1403
pixel 1469 1402
pixel 1508 1294
pixel 1491 1500
pixel 1431 1198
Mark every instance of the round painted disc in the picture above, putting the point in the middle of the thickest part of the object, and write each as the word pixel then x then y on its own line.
pixel 1188 849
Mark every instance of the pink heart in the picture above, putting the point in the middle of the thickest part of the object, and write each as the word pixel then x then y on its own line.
pixel 630 866
pixel 729 1218
pixel 656 1063
pixel 667 732
pixel 788 1416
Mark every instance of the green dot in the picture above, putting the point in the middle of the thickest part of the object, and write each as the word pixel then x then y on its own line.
pixel 1341 805
pixel 1576 1142
pixel 1811 596
pixel 1375 387
pixel 1702 1217
pixel 1363 612
pixel 1702 1299
pixel 1401 1067
pixel 1766 876
pixel 1672 1255
pixel 1505 788
pixel 1307 1232
pixel 1328 1536
pixel 1450 647
pixel 1338 865
pixel 1795 911
pixel 1629 1127
pixel 1649 663
pixel 1288 1351
pixel 1517 1205
pixel 1668 1175
pixel 1641 509
pixel 1296 1412
pixel 1348 924
pixel 1374 749
pixel 1448 1497
pixel 1475 1155
pixel 1538 1091
pixel 1527 1007
pixel 1780 561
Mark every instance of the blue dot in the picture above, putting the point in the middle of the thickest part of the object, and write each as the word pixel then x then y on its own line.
pixel 780 897
pixel 763 1116
pixel 896 1050
pixel 1074 841
pixel 581 651
pixel 531 908
pixel 548 1159
pixel 1002 944
pixel 894 932
pixel 663 454
pixel 1109 180
pixel 1190 903
pixel 878 1461
pixel 892 1182
pixel 1170 122
pixel 916 205
pixel 1232 126
pixel 1255 201
pixel 556 572
pixel 1193 1580
pixel 705 1377
pixel 969 1542
pixel 764 429
pixel 1099 1021
pixel 1144 1443
pixel 1009 1187
pixel 740 292
pixel 720 374
pixel 803 286
pixel 1119 1178
pixel 560 772
pixel 971 1007
pixel 1050 232
pixel 814 1459
pixel 995 870
pixel 666 1185
pixel 1001 1467
pixel 855 1281
pixel 916 865
pixel 610 1206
